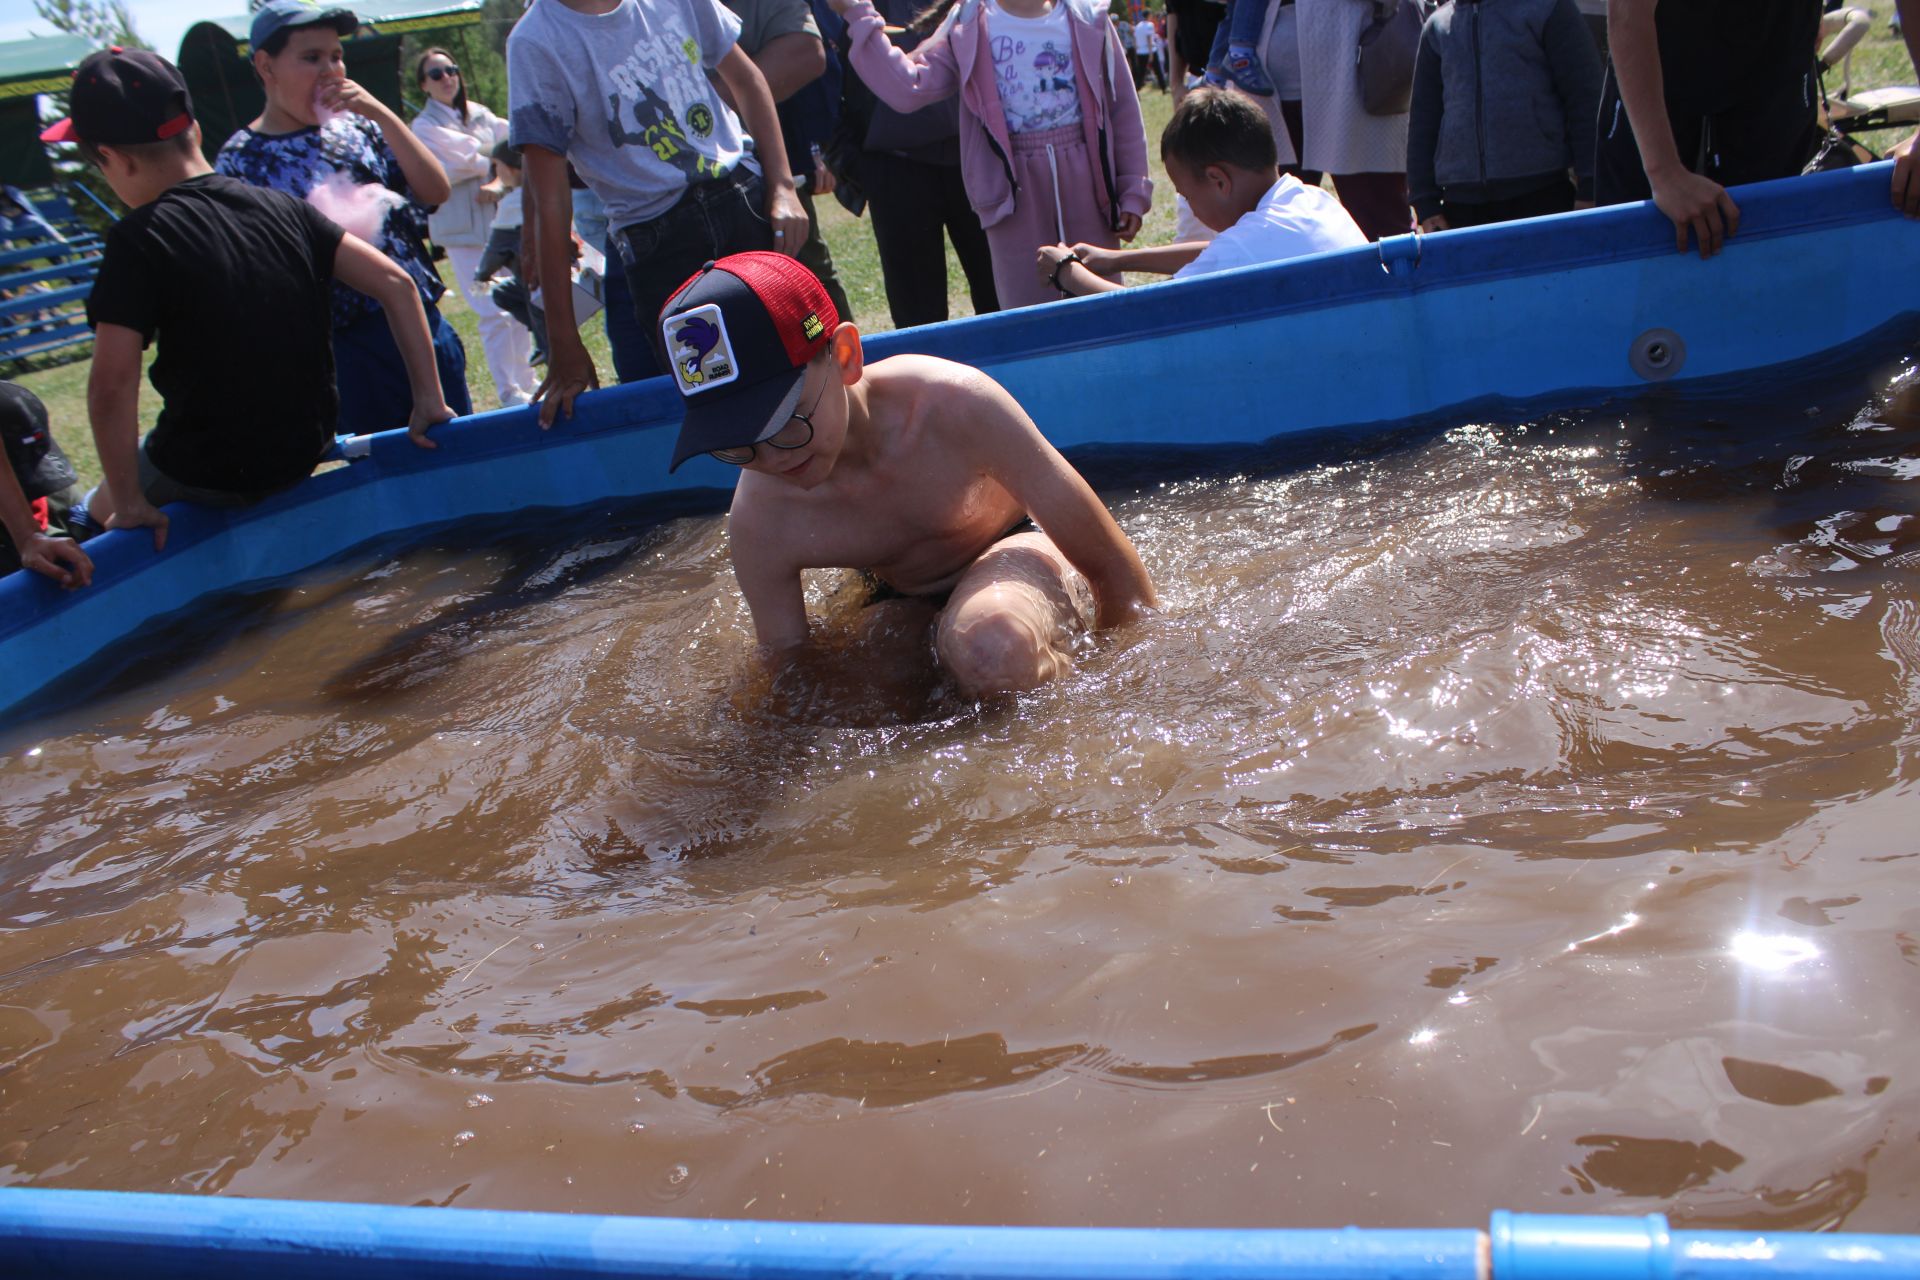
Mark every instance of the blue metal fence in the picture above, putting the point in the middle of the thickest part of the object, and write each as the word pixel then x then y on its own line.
pixel 44 283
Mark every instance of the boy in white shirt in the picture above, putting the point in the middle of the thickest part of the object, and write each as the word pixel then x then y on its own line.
pixel 1220 156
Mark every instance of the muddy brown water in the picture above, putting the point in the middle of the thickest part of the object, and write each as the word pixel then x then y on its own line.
pixel 1509 816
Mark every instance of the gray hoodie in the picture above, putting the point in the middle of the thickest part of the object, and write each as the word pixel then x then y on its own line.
pixel 1505 97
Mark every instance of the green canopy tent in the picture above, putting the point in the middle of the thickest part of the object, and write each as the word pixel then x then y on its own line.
pixel 29 68
pixel 215 58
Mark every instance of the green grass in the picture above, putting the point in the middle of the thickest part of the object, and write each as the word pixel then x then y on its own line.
pixel 61 381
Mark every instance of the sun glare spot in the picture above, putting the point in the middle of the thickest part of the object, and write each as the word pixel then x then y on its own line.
pixel 1771 952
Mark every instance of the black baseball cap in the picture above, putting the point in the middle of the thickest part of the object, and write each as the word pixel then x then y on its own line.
pixel 275 15
pixel 36 459
pixel 123 97
pixel 739 335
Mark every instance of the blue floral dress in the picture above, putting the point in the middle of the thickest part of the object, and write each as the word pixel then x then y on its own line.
pixel 299 161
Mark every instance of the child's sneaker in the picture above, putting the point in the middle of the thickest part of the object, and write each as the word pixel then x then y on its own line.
pixel 1245 70
pixel 1216 77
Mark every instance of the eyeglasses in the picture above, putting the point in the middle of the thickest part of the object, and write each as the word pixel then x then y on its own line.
pixel 795 433
pixel 439 73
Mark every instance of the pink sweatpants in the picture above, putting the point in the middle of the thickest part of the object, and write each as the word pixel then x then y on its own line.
pixel 1059 188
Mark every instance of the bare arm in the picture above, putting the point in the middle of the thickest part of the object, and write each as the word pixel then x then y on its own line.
pixel 113 407
pixel 425 178
pixel 791 62
pixel 548 206
pixel 770 583
pixel 1691 201
pixel 1012 450
pixel 58 558
pixel 904 81
pixel 1162 259
pixel 749 89
pixel 365 269
pixel 1084 277
pixel 1906 170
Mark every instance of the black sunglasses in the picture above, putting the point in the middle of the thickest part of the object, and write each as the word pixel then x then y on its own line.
pixel 785 438
pixel 438 73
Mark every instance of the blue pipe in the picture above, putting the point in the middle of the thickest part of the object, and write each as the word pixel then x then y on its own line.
pixel 120 1234
pixel 1554 1246
pixel 116 1234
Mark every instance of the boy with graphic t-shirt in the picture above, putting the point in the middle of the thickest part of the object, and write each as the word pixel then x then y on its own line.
pixel 233 284
pixel 620 89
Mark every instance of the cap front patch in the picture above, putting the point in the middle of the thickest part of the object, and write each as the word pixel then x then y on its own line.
pixel 700 349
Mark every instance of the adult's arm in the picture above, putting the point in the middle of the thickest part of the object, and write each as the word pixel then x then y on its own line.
pixel 549 207
pixel 1011 449
pixel 1176 61
pixel 113 408
pixel 462 155
pixel 1906 169
pixel 1692 202
pixel 363 268
pixel 1423 128
pixel 1575 66
pixel 784 210
pixel 790 62
pixel 425 178
pixel 1127 133
pixel 58 558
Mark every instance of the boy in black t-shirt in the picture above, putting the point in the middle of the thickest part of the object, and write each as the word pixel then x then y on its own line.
pixel 232 281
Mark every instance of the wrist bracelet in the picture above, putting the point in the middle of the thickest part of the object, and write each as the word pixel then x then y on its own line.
pixel 1054 279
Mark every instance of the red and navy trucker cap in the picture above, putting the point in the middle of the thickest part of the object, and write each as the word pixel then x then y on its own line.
pixel 122 97
pixel 739 335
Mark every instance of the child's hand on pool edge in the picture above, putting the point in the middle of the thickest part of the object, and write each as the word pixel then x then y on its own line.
pixel 138 513
pixel 60 559
pixel 427 412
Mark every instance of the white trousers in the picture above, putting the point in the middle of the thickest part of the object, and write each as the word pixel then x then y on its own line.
pixel 506 340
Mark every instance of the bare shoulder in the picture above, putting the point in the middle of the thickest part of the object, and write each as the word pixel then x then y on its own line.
pixel 931 393
pixel 758 518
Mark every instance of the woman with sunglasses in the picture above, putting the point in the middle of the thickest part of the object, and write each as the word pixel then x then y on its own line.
pixel 462 135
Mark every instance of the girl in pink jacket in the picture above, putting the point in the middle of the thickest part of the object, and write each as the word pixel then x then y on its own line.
pixel 1052 149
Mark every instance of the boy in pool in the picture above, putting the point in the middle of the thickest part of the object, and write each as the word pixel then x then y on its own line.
pixel 1219 152
pixel 923 473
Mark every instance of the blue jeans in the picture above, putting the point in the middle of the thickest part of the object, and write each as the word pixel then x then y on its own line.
pixel 374 392
pixel 712 220
pixel 632 358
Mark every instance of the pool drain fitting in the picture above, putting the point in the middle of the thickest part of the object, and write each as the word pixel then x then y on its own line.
pixel 1657 354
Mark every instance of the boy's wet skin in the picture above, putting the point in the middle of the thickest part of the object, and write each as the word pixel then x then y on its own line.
pixel 917 472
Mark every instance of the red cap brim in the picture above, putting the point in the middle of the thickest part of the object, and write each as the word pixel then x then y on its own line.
pixel 61 132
